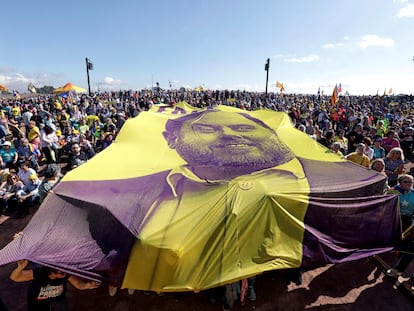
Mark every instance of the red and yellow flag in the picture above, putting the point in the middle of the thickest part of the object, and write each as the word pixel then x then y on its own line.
pixel 334 97
pixel 280 86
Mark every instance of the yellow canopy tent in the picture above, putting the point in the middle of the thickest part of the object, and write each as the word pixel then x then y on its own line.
pixel 3 88
pixel 69 87
pixel 199 88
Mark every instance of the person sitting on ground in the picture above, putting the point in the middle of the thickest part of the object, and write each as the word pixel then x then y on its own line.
pixel 51 177
pixel 48 144
pixel 86 146
pixel 28 196
pixel 25 171
pixel 8 156
pixel 77 157
pixel 34 133
pixel 8 190
pixel 27 151
pixel 48 288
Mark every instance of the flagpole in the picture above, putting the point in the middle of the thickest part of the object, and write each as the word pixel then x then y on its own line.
pixel 87 73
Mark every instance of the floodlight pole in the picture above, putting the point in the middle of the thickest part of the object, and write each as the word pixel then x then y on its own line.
pixel 267 73
pixel 87 73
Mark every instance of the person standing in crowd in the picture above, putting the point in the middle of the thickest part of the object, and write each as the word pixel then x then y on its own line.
pixel 358 156
pixel 336 148
pixel 47 290
pixel 404 190
pixel 327 139
pixel 407 141
pixel 390 141
pixel 379 151
pixel 342 140
pixel 394 165
pixel 368 151
pixel 379 166
pixel 355 137
pixel 380 129
pixel 63 121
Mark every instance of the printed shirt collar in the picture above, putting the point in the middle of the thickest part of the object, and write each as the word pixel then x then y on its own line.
pixel 292 167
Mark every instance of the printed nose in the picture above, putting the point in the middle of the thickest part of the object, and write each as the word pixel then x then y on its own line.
pixel 227 131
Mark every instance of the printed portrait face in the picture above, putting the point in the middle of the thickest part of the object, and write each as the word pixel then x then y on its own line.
pixel 229 139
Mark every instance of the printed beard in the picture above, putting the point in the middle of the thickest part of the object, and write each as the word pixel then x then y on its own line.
pixel 269 154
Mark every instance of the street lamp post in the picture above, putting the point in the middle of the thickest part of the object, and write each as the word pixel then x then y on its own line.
pixel 89 66
pixel 267 72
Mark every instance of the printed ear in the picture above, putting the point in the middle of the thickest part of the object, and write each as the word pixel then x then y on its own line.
pixel 171 139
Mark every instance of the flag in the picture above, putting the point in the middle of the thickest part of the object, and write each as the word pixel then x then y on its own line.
pixel 339 88
pixel 334 97
pixel 390 91
pixel 187 233
pixel 267 64
pixel 31 88
pixel 89 64
pixel 16 94
pixel 169 82
pixel 280 86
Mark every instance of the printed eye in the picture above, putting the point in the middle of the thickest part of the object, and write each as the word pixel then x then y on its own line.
pixel 205 129
pixel 243 128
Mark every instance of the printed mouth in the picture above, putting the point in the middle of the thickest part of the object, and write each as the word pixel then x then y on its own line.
pixel 235 147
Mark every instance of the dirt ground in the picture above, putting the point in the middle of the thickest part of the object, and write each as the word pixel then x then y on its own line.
pixel 359 285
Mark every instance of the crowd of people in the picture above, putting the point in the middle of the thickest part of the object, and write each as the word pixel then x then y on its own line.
pixel 41 134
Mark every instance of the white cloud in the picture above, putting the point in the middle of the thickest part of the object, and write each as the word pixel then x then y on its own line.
pixel 374 40
pixel 332 45
pixel 16 81
pixel 346 38
pixel 305 59
pixel 400 1
pixel 111 81
pixel 407 11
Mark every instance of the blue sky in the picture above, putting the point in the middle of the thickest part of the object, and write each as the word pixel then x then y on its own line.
pixel 367 46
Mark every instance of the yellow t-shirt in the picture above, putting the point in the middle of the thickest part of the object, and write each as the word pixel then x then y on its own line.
pixel 15 111
pixel 33 133
pixel 359 159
